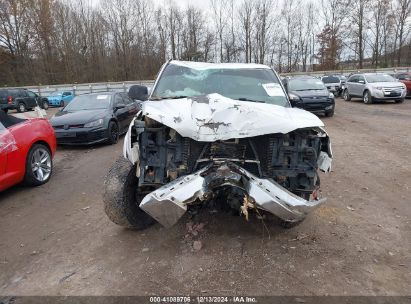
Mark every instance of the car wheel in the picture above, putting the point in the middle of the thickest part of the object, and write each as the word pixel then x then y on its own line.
pixel 39 165
pixel 45 105
pixel 400 100
pixel 122 196
pixel 62 103
pixel 346 96
pixel 367 98
pixel 113 133
pixel 21 107
pixel 329 113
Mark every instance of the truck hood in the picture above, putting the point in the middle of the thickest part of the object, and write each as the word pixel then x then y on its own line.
pixel 395 84
pixel 215 117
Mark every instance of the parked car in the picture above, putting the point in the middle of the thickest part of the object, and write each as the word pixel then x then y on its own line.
pixel 221 133
pixel 405 78
pixel 21 100
pixel 310 93
pixel 94 118
pixel 334 83
pixel 27 147
pixel 60 98
pixel 374 87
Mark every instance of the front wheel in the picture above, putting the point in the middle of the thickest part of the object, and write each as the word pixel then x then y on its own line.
pixel 21 107
pixel 113 133
pixel 45 105
pixel 329 113
pixel 400 100
pixel 122 196
pixel 346 95
pixel 39 165
pixel 367 98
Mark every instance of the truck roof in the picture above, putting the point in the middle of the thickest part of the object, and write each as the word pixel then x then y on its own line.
pixel 207 65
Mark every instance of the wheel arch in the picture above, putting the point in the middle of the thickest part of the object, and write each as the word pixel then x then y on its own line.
pixel 40 142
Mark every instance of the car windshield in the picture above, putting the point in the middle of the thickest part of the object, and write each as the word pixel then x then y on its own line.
pixel 56 94
pixel 258 84
pixel 379 78
pixel 305 84
pixel 89 102
pixel 331 79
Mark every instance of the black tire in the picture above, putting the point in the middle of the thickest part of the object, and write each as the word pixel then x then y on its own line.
pixel 21 107
pixel 329 113
pixel 113 132
pixel 30 177
pixel 62 103
pixel 400 100
pixel 45 105
pixel 346 96
pixel 367 98
pixel 122 197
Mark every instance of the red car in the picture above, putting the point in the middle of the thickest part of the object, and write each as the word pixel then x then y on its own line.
pixel 405 78
pixel 27 147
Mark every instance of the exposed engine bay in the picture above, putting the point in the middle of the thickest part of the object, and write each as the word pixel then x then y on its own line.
pixel 274 172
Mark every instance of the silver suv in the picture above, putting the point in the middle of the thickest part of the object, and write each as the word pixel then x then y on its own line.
pixel 374 86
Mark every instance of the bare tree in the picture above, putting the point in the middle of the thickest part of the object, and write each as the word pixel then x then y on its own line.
pixel 246 14
pixel 403 11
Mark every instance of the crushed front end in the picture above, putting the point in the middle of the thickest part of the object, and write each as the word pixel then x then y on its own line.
pixel 277 172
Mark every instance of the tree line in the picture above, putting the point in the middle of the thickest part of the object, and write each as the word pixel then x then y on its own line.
pixel 69 41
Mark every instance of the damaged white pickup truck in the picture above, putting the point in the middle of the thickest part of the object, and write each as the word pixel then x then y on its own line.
pixel 212 131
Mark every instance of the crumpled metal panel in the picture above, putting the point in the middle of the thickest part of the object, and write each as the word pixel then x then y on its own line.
pixel 168 203
pixel 215 117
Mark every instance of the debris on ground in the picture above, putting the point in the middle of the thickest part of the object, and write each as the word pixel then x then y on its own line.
pixel 197 245
pixel 67 276
pixel 193 234
pixel 247 204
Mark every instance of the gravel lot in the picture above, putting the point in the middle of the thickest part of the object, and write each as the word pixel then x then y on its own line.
pixel 56 239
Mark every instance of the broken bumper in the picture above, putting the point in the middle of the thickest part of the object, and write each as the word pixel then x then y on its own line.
pixel 169 203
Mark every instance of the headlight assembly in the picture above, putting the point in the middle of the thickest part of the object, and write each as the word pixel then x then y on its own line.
pixel 95 123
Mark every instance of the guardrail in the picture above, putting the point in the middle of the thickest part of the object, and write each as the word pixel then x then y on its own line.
pixel 83 88
pixel 347 72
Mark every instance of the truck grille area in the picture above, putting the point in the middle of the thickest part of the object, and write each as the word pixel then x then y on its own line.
pixel 290 159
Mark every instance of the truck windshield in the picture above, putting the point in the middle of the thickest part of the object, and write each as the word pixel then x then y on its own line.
pixel 258 85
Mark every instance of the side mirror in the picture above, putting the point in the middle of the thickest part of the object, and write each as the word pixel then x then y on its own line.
pixel 293 102
pixel 138 92
pixel 294 99
pixel 119 106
